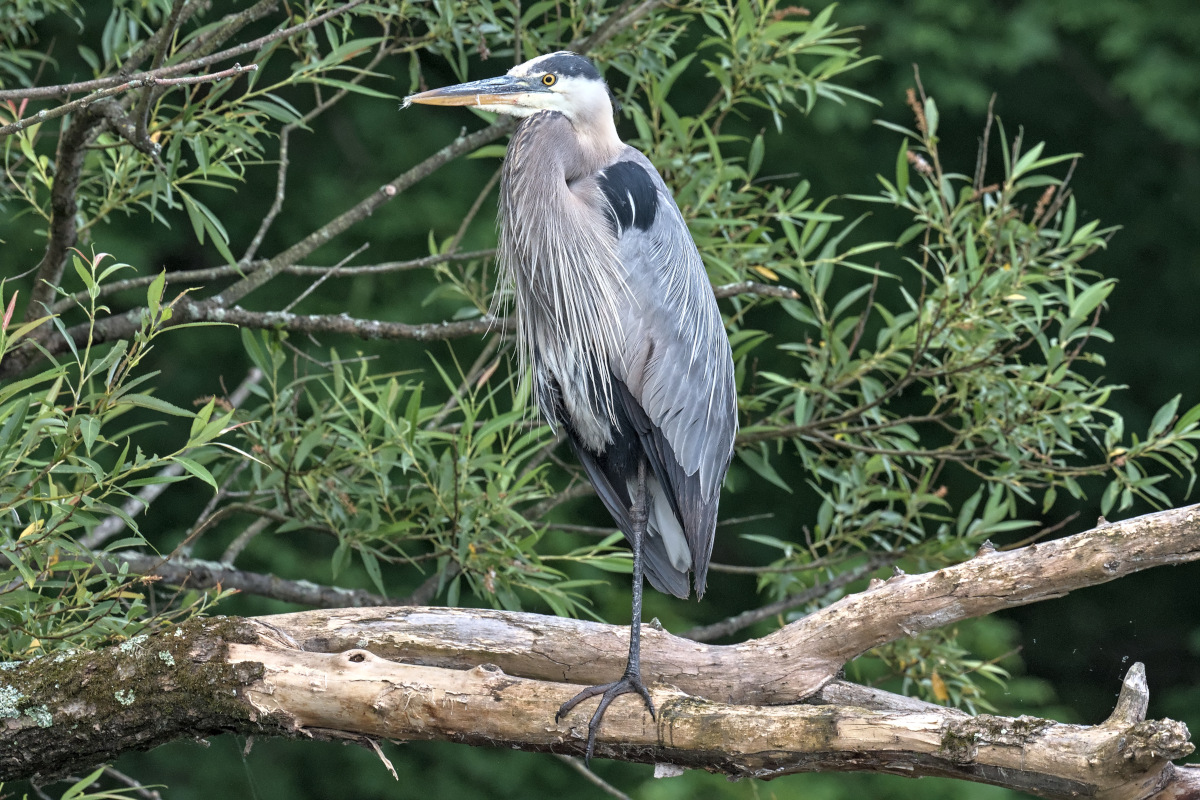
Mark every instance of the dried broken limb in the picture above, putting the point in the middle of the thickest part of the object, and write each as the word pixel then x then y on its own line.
pixel 497 678
pixel 789 664
pixel 245 676
pixel 1125 756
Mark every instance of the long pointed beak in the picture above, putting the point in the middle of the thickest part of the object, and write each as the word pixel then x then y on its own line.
pixel 504 90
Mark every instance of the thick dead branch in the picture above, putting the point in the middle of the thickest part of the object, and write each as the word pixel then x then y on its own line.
pixel 251 677
pixel 497 678
pixel 70 711
pixel 789 664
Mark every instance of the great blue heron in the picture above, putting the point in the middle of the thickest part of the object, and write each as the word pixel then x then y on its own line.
pixel 618 325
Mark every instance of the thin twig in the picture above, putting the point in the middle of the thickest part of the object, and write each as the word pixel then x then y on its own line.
pixel 1043 533
pixel 539 510
pixel 982 158
pixel 817 563
pixel 63 90
pixel 606 787
pixel 195 276
pixel 196 573
pixel 730 626
pixel 284 139
pixel 133 83
pixel 243 539
pixel 277 202
pixel 473 211
pixel 133 783
pixel 312 287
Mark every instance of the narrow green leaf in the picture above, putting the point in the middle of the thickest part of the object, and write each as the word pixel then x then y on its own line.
pixel 932 117
pixel 902 172
pixel 155 404
pixel 1087 300
pixel 1163 417
pixel 198 470
pixel 762 467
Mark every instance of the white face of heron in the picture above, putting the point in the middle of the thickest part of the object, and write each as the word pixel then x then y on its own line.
pixel 562 82
pixel 576 96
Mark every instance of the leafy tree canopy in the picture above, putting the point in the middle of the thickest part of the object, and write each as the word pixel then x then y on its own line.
pixel 248 347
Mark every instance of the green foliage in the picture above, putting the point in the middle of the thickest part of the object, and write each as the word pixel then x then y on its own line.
pixel 963 347
pixel 1124 53
pixel 936 668
pixel 17 62
pixel 915 391
pixel 974 361
pixel 356 455
pixel 78 790
pixel 69 459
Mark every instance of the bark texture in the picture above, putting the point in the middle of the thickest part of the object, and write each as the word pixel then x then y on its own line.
pixel 497 678
pixel 65 713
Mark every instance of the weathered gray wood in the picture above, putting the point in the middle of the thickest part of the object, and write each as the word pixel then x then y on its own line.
pixel 497 678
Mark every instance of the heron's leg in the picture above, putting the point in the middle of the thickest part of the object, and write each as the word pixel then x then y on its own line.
pixel 631 681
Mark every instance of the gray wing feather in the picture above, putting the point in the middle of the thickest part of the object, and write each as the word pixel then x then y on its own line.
pixel 678 368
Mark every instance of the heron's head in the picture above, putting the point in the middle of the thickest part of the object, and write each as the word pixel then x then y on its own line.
pixel 562 81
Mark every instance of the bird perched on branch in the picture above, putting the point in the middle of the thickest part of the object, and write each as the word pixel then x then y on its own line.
pixel 618 326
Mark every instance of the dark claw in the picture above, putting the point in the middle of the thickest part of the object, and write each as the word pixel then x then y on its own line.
pixel 629 684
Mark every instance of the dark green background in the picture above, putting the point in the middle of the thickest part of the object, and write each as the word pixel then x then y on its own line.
pixel 1116 80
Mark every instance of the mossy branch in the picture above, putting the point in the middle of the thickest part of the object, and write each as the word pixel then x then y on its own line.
pixel 497 678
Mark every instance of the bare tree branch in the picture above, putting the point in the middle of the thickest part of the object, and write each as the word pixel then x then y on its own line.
pixel 203 276
pixel 68 162
pixel 102 94
pixel 323 323
pixel 195 573
pixel 63 90
pixel 751 287
pixel 800 658
pixel 254 677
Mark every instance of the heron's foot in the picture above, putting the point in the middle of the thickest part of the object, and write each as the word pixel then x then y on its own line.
pixel 630 683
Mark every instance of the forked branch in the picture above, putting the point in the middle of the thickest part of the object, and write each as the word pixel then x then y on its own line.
pixel 761 708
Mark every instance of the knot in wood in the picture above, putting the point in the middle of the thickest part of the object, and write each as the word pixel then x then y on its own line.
pixel 1149 742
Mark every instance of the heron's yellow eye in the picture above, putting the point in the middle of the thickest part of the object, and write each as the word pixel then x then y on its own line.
pixel 549 80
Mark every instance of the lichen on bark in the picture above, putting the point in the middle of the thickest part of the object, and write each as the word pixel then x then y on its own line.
pixel 140 693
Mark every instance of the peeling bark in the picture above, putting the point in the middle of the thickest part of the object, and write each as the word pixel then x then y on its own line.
pixel 497 678
pixel 789 664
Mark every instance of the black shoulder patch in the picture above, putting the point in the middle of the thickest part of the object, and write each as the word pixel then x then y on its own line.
pixel 632 197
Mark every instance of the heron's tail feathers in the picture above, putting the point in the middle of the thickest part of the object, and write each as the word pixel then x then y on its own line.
pixel 668 558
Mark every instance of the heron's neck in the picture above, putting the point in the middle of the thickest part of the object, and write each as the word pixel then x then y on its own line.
pixel 598 142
